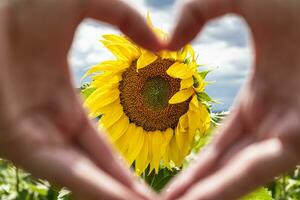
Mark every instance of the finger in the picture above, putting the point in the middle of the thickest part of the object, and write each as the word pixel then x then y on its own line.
pixel 96 146
pixel 129 21
pixel 46 154
pixel 252 167
pixel 68 167
pixel 231 131
pixel 204 164
pixel 194 14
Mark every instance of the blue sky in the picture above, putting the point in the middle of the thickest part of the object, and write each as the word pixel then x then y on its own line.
pixel 223 45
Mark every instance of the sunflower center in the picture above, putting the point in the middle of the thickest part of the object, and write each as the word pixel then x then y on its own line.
pixel 144 96
pixel 156 92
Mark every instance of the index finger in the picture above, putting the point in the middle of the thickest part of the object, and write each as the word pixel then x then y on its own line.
pixel 127 19
pixel 194 14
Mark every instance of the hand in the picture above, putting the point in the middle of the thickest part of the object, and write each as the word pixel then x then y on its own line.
pixel 43 127
pixel 261 138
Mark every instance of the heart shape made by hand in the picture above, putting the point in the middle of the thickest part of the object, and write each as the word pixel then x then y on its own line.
pixel 52 143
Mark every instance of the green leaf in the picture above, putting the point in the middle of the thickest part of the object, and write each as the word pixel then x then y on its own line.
pixel 203 97
pixel 186 61
pixel 158 181
pixel 217 117
pixel 201 140
pixel 203 74
pixel 261 194
pixel 64 194
pixel 196 82
pixel 52 193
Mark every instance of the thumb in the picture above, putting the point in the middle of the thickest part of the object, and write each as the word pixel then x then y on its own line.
pixel 194 14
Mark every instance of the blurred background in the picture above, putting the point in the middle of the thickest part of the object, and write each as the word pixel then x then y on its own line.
pixel 224 45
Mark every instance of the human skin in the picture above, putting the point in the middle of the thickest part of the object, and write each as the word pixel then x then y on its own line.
pixel 261 137
pixel 43 127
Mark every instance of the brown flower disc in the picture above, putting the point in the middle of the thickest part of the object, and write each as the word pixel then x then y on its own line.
pixel 145 94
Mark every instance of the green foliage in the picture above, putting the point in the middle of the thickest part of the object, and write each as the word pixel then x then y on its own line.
pixel 217 117
pixel 286 187
pixel 15 184
pixel 158 181
pixel 261 194
pixel 86 90
pixel 203 74
pixel 203 97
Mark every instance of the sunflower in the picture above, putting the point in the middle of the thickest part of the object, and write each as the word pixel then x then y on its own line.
pixel 150 104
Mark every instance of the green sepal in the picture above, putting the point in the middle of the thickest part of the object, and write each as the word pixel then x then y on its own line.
pixel 203 74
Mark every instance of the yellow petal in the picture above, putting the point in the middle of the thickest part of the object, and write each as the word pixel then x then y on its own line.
pixel 182 54
pixel 186 53
pixel 142 159
pixel 150 151
pixel 112 65
pixel 149 20
pixel 160 34
pixel 108 86
pixel 167 136
pixel 111 117
pixel 174 153
pixel 122 143
pixel 205 117
pixel 180 70
pixel 195 123
pixel 136 144
pixel 104 77
pixel 199 119
pixel 200 87
pixel 107 82
pixel 103 110
pixel 122 51
pixel 166 159
pixel 193 65
pixel 183 143
pixel 100 98
pixel 119 128
pixel 99 71
pixel 194 104
pixel 181 96
pixel 182 136
pixel 115 38
pixel 145 59
pixel 190 51
pixel 183 123
pixel 112 81
pixel 157 140
pixel 130 48
pixel 168 55
pixel 186 83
